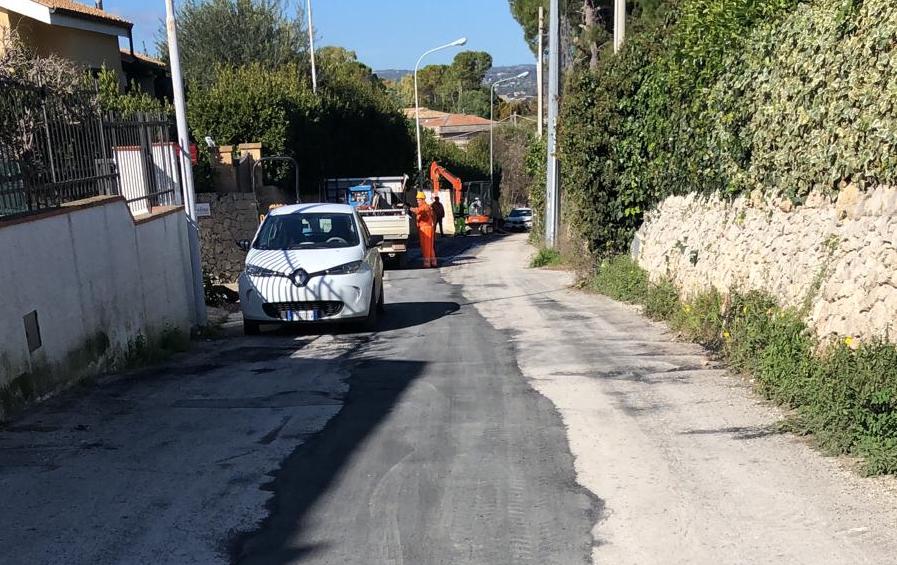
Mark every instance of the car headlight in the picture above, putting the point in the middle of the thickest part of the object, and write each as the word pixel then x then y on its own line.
pixel 256 271
pixel 347 269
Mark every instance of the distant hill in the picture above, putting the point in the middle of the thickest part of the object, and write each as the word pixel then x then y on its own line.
pixel 391 74
pixel 520 88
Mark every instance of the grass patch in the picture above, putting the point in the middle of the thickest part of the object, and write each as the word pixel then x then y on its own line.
pixel 843 394
pixel 142 351
pixel 546 258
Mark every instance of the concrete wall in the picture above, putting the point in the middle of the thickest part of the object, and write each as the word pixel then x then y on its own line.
pixel 838 256
pixel 100 283
pixel 233 217
pixel 87 48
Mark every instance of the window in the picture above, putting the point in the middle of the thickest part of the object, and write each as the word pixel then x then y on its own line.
pixel 307 231
pixel 364 230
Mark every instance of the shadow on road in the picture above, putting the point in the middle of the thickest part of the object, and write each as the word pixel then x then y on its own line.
pixel 401 315
pixel 448 251
pixel 398 316
pixel 375 387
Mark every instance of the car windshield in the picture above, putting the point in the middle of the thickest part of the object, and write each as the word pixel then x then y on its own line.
pixel 521 213
pixel 307 231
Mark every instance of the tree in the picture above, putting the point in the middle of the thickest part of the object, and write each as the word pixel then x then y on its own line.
pixel 474 102
pixel 469 69
pixel 341 64
pixel 511 151
pixel 594 17
pixel 350 128
pixel 449 88
pixel 232 33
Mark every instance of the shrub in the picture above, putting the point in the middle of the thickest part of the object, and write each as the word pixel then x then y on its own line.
pixel 845 397
pixel 350 128
pixel 621 279
pixel 546 258
pixel 729 96
pixel 536 155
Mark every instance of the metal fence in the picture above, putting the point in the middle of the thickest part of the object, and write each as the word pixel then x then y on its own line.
pixel 57 149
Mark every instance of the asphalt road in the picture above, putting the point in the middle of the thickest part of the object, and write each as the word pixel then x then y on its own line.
pixel 418 443
pixel 496 416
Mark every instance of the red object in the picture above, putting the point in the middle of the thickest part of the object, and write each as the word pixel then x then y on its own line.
pixel 427 232
pixel 194 154
pixel 436 172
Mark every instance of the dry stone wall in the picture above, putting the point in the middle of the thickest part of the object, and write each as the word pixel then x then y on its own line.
pixel 836 258
pixel 234 216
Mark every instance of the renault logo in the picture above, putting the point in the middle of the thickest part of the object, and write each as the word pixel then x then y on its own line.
pixel 299 277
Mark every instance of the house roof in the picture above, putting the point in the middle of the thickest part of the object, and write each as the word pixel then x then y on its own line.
pixel 435 119
pixel 68 13
pixel 142 58
pixel 77 9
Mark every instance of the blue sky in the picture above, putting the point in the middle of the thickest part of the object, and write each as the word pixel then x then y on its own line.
pixel 385 33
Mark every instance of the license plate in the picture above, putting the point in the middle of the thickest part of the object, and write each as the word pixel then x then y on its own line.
pixel 302 315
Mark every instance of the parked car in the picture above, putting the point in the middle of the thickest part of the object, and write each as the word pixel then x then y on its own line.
pixel 311 263
pixel 519 219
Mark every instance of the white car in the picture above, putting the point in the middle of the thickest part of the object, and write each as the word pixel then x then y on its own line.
pixel 519 219
pixel 311 263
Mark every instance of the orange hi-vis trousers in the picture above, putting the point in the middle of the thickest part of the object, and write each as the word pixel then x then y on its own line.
pixel 427 233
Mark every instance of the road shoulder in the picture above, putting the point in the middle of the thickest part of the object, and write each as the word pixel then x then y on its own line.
pixel 676 447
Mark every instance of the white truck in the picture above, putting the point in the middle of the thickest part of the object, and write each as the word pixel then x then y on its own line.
pixel 380 202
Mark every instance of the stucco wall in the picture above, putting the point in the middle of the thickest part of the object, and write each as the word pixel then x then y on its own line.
pixel 838 257
pixel 100 283
pixel 88 48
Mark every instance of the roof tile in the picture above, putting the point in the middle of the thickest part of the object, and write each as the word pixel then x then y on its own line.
pixel 79 9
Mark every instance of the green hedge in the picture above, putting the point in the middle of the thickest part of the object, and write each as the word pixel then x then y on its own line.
pixel 730 96
pixel 535 170
pixel 351 127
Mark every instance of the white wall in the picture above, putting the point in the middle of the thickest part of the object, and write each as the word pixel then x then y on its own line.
pixel 90 271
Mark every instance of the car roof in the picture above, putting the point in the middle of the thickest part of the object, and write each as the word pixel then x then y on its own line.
pixel 529 209
pixel 312 208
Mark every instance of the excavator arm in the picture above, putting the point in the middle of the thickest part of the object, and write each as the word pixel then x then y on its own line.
pixel 437 172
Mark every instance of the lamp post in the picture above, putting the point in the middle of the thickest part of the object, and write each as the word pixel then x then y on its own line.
pixel 456 43
pixel 180 112
pixel 311 48
pixel 492 120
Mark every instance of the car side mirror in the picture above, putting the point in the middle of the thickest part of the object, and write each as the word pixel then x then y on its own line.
pixel 376 240
pixel 244 244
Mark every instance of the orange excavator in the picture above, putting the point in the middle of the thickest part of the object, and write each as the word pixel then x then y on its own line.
pixel 475 213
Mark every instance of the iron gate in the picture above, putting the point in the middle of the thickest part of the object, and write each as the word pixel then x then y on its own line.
pixel 56 149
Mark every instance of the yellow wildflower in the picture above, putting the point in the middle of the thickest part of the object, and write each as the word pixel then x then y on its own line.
pixel 848 341
pixel 726 335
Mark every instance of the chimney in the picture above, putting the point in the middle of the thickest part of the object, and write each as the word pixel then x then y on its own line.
pixel 98 4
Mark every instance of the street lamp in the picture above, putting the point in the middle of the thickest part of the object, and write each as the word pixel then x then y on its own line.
pixel 311 48
pixel 492 119
pixel 455 43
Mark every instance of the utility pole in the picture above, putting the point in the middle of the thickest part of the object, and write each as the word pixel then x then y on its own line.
pixel 619 24
pixel 180 111
pixel 311 48
pixel 552 196
pixel 539 77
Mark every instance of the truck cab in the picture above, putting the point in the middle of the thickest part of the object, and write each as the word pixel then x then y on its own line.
pixel 380 202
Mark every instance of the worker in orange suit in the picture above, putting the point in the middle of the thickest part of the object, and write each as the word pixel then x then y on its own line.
pixel 426 230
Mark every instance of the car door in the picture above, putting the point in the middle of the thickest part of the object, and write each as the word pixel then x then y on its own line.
pixel 371 253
